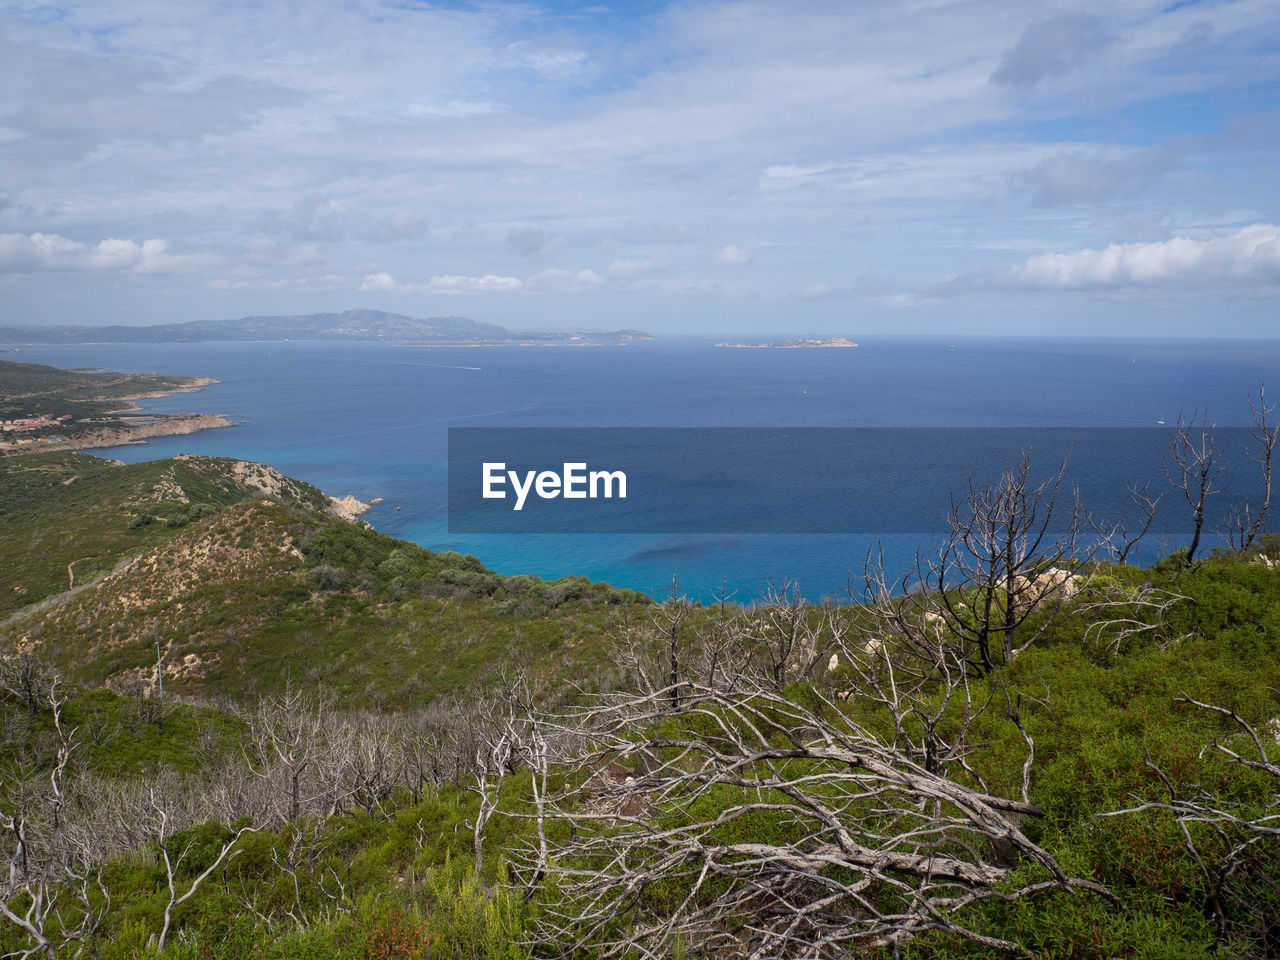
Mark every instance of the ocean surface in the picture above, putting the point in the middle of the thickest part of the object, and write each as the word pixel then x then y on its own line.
pixel 371 419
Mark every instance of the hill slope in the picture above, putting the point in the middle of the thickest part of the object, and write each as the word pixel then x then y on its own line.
pixel 248 582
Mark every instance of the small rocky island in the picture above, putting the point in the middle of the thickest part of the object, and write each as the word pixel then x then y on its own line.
pixel 820 343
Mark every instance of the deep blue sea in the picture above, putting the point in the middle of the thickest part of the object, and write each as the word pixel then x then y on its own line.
pixel 371 419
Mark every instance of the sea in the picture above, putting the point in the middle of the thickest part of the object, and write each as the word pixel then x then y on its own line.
pixel 372 420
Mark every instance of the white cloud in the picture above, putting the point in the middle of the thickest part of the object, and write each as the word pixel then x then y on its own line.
pixel 733 256
pixel 21 253
pixel 488 283
pixel 902 300
pixel 378 282
pixel 446 284
pixel 550 64
pixel 1250 255
pixel 470 136
pixel 323 284
pixel 789 175
pixel 1077 177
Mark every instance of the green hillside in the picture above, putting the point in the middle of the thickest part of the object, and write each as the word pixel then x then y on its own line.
pixel 66 518
pixel 24 382
pixel 366 749
pixel 247 583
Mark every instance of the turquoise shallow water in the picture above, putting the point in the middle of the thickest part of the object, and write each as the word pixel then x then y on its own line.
pixel 371 419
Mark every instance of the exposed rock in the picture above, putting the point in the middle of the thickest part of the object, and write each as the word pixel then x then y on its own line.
pixel 1054 583
pixel 1062 581
pixel 167 489
pixel 348 507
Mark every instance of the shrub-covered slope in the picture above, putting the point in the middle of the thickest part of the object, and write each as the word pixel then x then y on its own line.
pixel 392 873
pixel 247 583
pixel 1105 782
pixel 66 518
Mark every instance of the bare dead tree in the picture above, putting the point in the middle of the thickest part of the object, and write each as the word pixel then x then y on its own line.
pixel 787 636
pixel 423 733
pixel 1233 843
pixel 24 676
pixel 1197 469
pixel 35 833
pixel 926 716
pixel 670 618
pixel 1005 556
pixel 722 649
pixel 538 755
pixel 1245 522
pixel 854 844
pixel 369 759
pixel 52 889
pixel 506 721
pixel 172 865
pixel 896 613
pixel 290 738
pixel 1002 554
pixel 659 650
pixel 1118 539
pixel 491 766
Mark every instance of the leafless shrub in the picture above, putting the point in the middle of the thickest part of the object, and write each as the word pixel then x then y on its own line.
pixel 1007 554
pixel 162 828
pixel 749 824
pixel 1118 614
pixel 1196 467
pixel 1234 845
pixel 45 857
pixel 1246 520
pixel 24 676
pixel 1118 540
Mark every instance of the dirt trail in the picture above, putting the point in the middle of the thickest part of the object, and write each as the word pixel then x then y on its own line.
pixel 71 571
pixel 60 598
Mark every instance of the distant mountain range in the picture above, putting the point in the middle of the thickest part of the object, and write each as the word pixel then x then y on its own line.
pixel 348 325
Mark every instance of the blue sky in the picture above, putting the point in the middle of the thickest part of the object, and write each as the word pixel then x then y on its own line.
pixel 985 166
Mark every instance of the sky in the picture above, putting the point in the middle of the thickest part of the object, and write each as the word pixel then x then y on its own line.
pixel 808 168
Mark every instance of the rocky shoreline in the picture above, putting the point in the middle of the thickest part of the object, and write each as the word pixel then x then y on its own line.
pixel 348 507
pixel 173 425
pixel 123 432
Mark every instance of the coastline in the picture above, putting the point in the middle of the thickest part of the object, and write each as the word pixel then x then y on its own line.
pixel 123 433
pixel 826 343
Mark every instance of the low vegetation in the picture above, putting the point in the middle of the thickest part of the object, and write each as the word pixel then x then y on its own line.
pixel 1028 748
pixel 47 408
